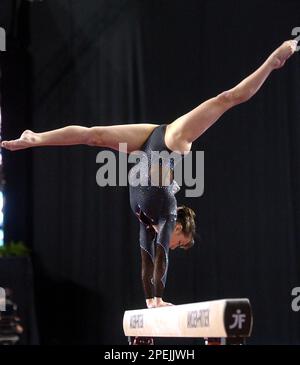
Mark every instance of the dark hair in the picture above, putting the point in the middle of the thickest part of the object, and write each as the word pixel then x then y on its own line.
pixel 186 217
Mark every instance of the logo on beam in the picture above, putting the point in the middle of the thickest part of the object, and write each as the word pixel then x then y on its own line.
pixel 137 321
pixel 238 318
pixel 199 318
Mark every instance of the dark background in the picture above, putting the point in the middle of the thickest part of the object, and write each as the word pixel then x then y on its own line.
pixel 128 61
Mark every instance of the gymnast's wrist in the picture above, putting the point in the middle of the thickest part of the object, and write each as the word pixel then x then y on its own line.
pixel 158 300
pixel 150 302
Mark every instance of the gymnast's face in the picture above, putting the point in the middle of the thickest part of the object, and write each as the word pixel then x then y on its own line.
pixel 179 239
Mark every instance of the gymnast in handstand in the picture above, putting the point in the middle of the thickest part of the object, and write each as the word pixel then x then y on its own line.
pixel 163 225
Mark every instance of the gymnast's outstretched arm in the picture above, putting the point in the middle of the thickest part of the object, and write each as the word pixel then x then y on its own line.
pixel 183 131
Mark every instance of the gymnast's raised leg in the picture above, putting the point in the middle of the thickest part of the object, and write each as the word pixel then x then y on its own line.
pixel 179 135
pixel 183 131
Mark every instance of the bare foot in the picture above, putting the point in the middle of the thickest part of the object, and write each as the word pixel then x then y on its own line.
pixel 27 139
pixel 282 53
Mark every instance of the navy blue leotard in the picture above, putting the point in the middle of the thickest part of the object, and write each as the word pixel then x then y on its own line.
pixel 155 205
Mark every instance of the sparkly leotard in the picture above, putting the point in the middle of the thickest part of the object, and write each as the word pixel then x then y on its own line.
pixel 156 209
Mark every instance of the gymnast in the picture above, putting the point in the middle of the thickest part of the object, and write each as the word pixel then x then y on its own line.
pixel 163 225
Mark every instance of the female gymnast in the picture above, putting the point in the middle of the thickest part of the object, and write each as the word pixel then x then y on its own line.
pixel 163 226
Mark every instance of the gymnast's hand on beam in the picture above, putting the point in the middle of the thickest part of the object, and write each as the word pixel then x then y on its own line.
pixel 27 139
pixel 156 302
pixel 161 303
pixel 151 303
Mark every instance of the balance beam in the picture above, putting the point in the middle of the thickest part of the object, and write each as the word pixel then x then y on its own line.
pixel 225 318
